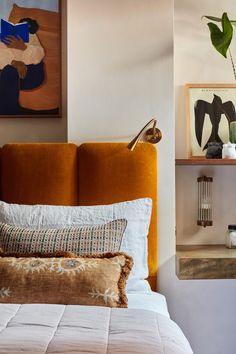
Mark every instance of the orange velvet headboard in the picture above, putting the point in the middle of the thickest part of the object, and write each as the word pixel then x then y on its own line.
pixel 93 173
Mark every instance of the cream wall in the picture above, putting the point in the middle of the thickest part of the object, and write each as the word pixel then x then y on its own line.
pixel 208 306
pixel 120 74
pixel 196 61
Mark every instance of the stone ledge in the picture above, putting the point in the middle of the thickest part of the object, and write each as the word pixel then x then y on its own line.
pixel 205 262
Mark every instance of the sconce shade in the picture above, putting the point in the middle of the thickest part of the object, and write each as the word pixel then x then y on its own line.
pixel 152 135
pixel 205 201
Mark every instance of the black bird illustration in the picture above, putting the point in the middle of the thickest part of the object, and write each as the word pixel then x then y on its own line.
pixel 215 110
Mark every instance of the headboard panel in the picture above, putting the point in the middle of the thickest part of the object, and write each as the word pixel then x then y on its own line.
pixel 94 173
pixel 109 173
pixel 39 174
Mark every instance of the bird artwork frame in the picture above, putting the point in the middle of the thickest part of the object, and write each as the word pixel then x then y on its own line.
pixel 210 108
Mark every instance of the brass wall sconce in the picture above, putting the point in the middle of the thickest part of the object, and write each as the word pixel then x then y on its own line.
pixel 152 135
pixel 205 201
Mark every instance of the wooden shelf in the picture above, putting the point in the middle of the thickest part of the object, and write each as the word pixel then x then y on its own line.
pixel 204 161
pixel 205 262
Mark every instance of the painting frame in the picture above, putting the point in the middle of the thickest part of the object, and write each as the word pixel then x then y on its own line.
pixel 51 110
pixel 211 94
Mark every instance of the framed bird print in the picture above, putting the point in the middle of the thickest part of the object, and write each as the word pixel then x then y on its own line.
pixel 209 109
pixel 30 58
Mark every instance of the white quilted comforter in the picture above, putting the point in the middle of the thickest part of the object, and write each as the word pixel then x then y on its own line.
pixel 40 329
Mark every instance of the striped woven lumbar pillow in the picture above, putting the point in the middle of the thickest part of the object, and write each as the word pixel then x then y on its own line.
pixel 81 240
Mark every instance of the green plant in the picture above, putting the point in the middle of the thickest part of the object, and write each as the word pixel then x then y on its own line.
pixel 222 38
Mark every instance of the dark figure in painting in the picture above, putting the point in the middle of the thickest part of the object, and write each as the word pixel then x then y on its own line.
pixel 215 110
pixel 21 68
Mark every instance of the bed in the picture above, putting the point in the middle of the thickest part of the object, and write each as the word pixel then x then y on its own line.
pixel 92 174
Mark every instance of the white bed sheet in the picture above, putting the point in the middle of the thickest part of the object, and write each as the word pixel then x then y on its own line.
pixel 148 301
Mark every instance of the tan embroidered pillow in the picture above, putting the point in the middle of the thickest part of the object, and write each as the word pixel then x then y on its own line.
pixel 81 240
pixel 69 280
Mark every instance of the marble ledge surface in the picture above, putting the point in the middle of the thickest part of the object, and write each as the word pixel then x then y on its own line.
pixel 205 262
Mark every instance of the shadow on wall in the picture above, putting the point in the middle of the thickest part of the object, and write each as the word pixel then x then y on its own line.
pixel 193 308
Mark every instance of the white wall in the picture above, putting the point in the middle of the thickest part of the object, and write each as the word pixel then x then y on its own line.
pixel 204 308
pixel 120 74
pixel 196 61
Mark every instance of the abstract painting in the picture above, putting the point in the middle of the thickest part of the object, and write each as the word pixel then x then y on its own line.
pixel 30 58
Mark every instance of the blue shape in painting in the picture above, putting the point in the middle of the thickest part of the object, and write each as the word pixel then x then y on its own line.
pixel 9 29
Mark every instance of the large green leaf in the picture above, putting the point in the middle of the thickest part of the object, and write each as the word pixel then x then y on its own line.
pixel 218 19
pixel 221 39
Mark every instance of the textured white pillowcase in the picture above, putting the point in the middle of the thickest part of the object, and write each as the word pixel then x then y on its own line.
pixel 136 212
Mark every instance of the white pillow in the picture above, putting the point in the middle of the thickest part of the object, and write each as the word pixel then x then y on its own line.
pixel 134 243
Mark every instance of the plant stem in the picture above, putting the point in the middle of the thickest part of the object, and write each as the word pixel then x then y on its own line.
pixel 233 66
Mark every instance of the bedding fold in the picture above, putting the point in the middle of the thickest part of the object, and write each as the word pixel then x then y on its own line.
pixel 57 329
